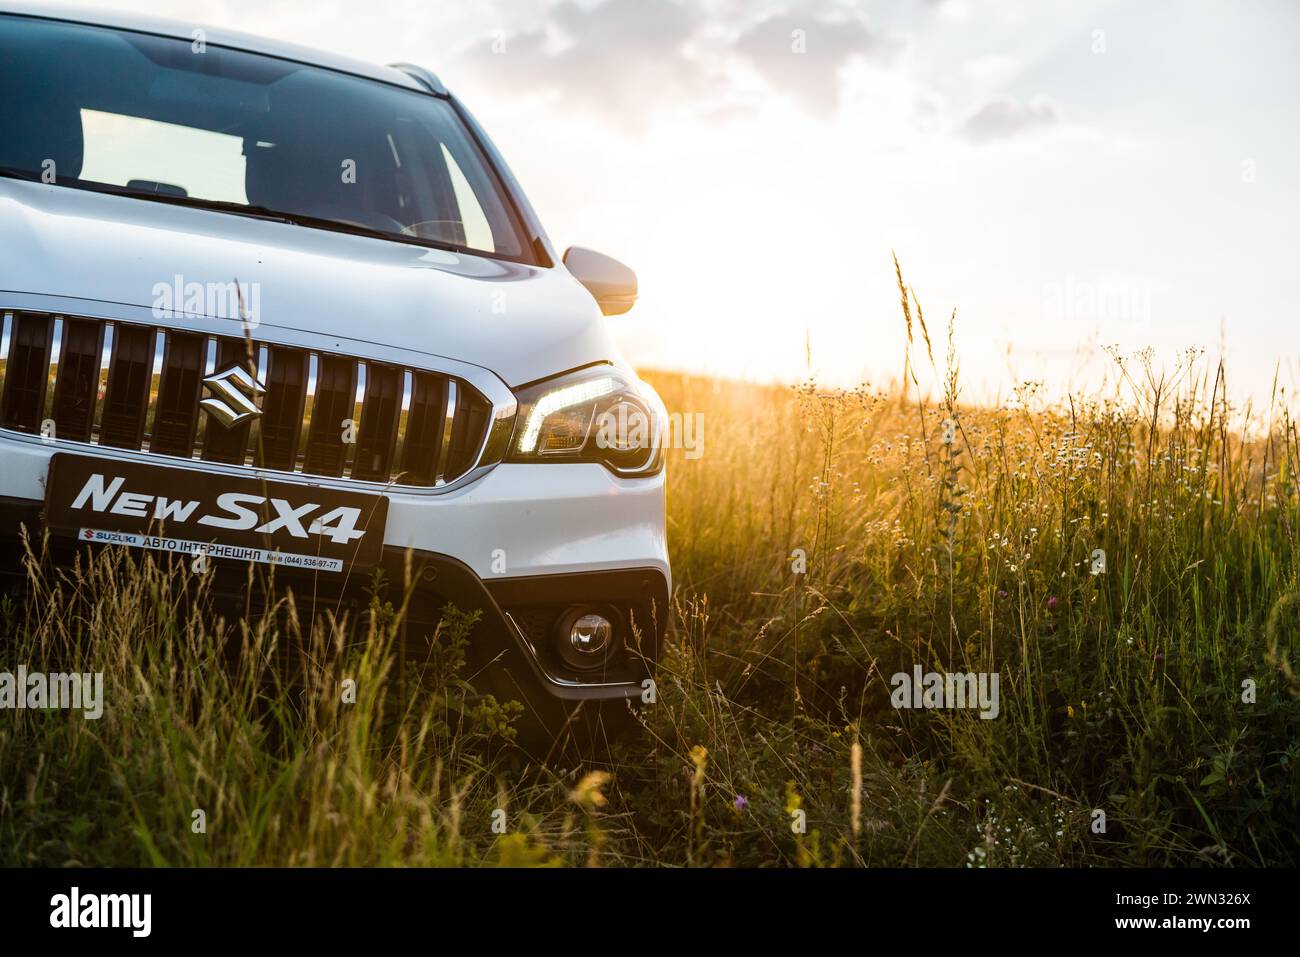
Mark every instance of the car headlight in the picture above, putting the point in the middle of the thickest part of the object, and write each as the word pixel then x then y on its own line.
pixel 598 414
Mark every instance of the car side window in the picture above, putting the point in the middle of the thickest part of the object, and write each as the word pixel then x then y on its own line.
pixel 474 222
pixel 441 186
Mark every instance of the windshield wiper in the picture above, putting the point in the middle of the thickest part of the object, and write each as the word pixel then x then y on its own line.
pixel 240 209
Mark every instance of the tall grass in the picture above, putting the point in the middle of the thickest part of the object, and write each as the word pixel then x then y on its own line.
pixel 825 540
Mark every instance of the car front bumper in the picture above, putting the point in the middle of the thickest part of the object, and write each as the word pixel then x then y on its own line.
pixel 522 545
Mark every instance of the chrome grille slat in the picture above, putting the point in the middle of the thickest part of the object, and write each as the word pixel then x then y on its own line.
pixel 101 387
pixel 382 402
pixel 263 354
pixel 358 402
pixel 56 349
pixel 308 408
pixel 151 391
pixel 449 421
pixel 403 420
pixel 209 367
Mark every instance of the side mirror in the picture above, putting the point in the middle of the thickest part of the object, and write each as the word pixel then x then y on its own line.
pixel 610 283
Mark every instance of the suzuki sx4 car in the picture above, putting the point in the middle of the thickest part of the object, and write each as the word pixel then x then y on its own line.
pixel 266 308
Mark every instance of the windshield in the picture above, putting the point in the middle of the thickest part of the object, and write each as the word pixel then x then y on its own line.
pixel 169 119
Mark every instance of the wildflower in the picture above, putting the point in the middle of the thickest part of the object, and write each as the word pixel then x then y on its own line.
pixel 741 802
pixel 1052 602
pixel 588 793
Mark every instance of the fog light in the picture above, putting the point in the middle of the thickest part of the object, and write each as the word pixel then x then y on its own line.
pixel 586 639
pixel 590 634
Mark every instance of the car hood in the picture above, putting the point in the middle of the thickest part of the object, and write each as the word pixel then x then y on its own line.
pixel 329 290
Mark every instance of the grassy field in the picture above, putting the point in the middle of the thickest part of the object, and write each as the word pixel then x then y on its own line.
pixel 822 542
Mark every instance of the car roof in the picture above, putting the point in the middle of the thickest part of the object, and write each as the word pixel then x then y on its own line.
pixel 160 26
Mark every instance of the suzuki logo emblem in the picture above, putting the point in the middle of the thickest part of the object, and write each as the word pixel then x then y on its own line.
pixel 231 396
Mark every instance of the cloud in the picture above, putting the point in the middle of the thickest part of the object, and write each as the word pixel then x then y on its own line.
pixel 1005 117
pixel 954 10
pixel 621 59
pixel 628 59
pixel 991 68
pixel 801 51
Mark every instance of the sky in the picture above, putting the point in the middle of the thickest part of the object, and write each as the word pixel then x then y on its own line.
pixel 1067 177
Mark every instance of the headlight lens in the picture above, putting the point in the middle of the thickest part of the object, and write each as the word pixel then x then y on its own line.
pixel 593 415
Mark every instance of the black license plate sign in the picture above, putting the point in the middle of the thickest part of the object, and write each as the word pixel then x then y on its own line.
pixel 188 511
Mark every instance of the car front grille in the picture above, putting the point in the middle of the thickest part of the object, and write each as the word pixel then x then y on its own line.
pixel 138 387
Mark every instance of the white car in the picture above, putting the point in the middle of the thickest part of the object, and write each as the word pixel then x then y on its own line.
pixel 265 304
